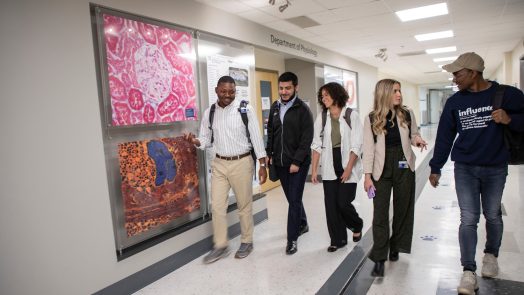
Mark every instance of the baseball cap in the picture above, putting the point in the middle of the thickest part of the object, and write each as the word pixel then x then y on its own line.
pixel 468 60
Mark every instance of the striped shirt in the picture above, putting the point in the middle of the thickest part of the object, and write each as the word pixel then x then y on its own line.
pixel 229 132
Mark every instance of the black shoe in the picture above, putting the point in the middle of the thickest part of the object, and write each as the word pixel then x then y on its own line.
pixel 393 256
pixel 357 238
pixel 378 270
pixel 291 248
pixel 334 248
pixel 303 229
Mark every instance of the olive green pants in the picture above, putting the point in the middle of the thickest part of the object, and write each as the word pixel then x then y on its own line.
pixel 402 181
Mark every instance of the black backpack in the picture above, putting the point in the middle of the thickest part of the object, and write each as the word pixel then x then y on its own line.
pixel 408 121
pixel 243 114
pixel 513 140
pixel 347 116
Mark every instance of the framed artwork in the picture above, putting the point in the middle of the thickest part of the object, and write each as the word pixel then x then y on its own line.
pixel 148 92
pixel 150 71
pixel 159 182
pixel 219 65
pixel 350 84
pixel 348 79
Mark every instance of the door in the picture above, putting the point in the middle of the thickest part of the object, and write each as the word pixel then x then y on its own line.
pixel 267 92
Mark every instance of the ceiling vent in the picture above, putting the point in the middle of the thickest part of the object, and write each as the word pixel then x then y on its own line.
pixel 433 72
pixel 413 53
pixel 303 22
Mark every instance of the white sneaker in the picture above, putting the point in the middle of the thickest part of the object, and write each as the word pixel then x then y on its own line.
pixel 468 283
pixel 490 266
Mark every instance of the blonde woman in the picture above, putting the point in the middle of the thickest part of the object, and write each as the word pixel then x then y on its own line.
pixel 389 164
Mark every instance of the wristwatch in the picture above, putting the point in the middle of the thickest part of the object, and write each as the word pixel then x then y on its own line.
pixel 262 165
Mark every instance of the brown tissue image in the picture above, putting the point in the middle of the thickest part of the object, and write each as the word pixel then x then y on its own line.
pixel 159 182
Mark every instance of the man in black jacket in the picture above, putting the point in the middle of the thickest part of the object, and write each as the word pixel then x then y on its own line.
pixel 290 133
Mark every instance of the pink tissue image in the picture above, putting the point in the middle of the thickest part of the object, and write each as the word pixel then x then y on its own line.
pixel 151 72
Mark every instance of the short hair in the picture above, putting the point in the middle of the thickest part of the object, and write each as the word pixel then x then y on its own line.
pixel 288 76
pixel 226 79
pixel 336 91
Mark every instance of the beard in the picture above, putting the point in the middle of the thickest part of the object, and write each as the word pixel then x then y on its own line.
pixel 290 97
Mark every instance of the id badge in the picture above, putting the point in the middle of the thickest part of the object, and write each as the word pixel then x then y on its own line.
pixel 403 164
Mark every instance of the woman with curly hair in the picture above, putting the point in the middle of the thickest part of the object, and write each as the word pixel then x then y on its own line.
pixel 337 145
pixel 389 163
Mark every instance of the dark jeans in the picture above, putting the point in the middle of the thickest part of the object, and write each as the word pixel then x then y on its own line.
pixel 476 185
pixel 340 213
pixel 293 186
pixel 402 181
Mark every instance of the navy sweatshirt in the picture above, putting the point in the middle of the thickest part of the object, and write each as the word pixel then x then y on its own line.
pixel 480 140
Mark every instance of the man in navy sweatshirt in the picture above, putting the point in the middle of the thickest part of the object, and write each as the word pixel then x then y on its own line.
pixel 480 157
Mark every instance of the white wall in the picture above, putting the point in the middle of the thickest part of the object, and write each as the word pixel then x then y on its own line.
pixel 516 55
pixel 508 71
pixel 270 60
pixel 498 75
pixel 56 233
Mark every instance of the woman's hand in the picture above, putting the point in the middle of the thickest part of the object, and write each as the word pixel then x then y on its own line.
pixel 368 182
pixel 314 177
pixel 419 142
pixel 346 175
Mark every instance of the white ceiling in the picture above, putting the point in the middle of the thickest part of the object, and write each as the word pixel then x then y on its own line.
pixel 359 28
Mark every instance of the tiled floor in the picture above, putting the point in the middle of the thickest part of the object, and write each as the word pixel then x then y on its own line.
pixel 434 265
pixel 432 268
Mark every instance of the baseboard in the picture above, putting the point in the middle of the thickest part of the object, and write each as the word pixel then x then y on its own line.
pixel 158 270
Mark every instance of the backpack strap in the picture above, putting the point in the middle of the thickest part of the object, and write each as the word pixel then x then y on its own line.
pixel 324 119
pixel 211 117
pixel 499 95
pixel 348 116
pixel 243 113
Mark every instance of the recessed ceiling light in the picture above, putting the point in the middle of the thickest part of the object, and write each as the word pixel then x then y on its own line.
pixel 422 12
pixel 433 36
pixel 441 50
pixel 444 58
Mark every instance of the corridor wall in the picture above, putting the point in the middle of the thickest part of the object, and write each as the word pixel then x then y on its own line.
pixel 56 233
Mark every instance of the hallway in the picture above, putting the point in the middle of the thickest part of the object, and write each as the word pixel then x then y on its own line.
pixel 432 268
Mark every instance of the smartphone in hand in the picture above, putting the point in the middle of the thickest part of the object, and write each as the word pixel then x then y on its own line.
pixel 371 192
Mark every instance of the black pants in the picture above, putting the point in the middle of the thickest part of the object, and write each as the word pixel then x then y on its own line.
pixel 402 181
pixel 293 186
pixel 340 213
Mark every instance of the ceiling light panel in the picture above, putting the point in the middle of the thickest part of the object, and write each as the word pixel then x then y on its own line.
pixel 433 36
pixel 441 50
pixel 422 12
pixel 444 58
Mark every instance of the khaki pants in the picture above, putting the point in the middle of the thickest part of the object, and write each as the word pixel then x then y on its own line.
pixel 238 175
